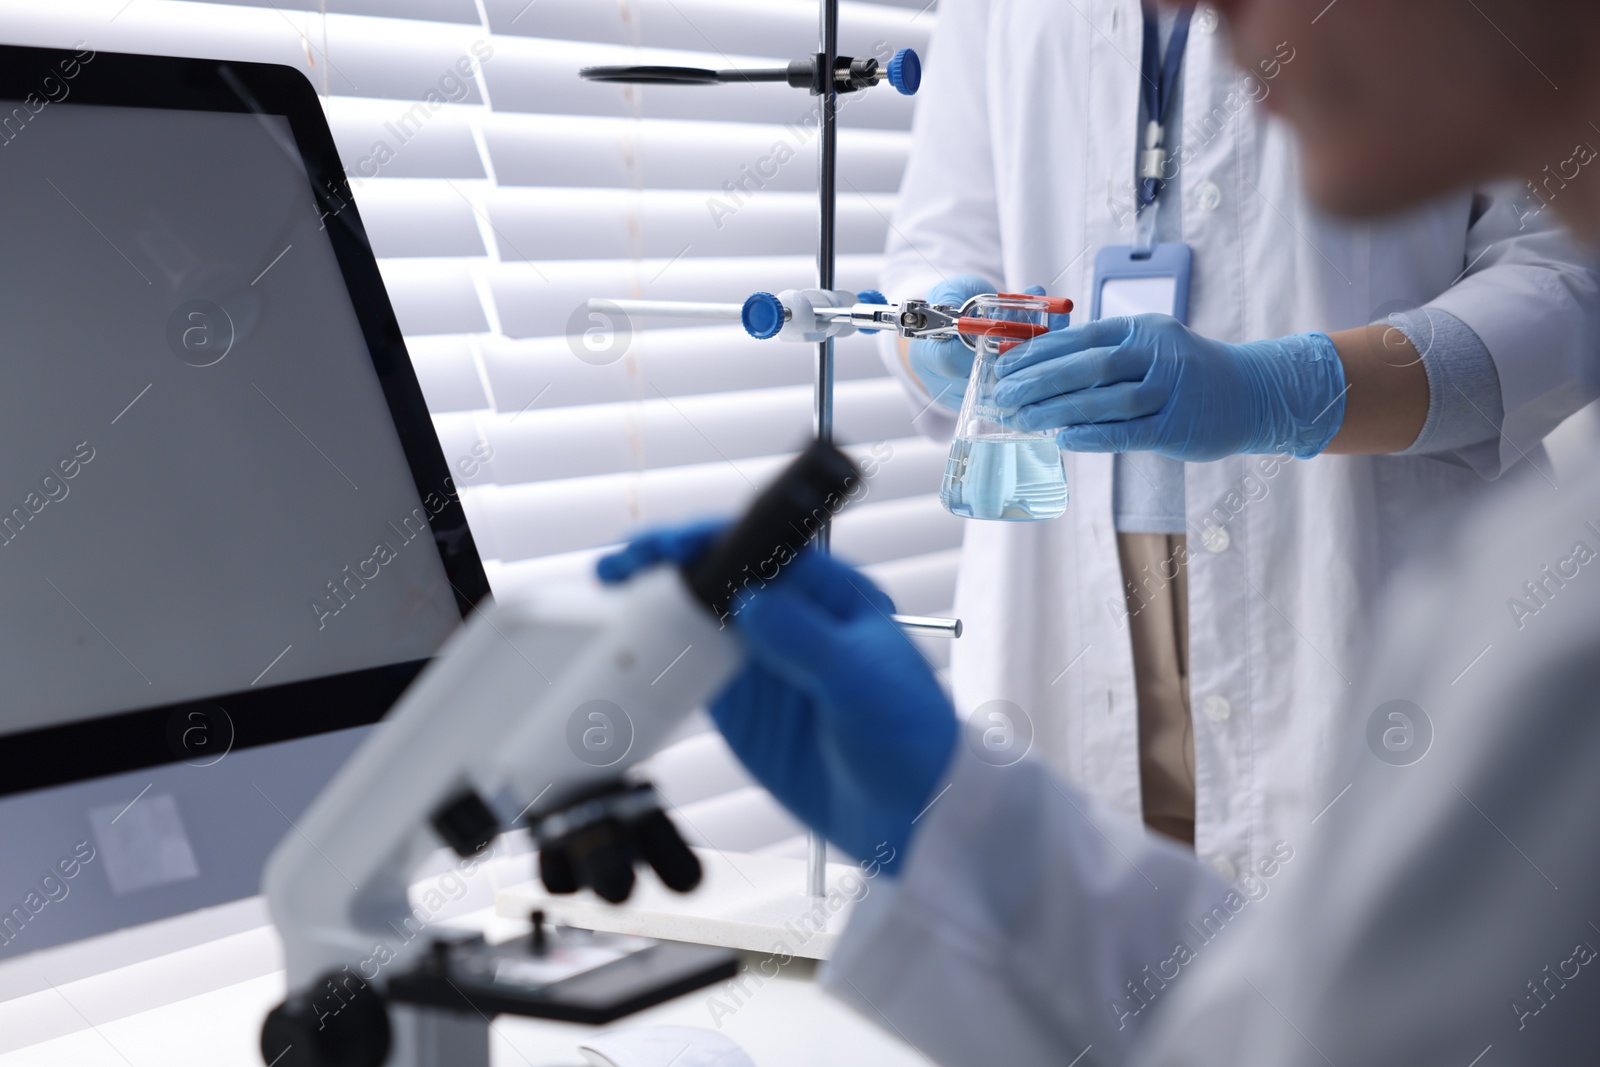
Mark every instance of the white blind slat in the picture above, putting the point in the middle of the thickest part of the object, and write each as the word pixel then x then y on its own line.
pixel 448 373
pixel 677 362
pixel 772 28
pixel 385 142
pixel 560 150
pixel 577 442
pixel 540 299
pixel 549 224
pixel 875 531
pixel 430 297
pixel 920 585
pixel 344 55
pixel 543 518
pixel 404 220
pixel 464 11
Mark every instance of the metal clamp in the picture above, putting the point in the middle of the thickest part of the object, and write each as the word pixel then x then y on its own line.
pixel 903 72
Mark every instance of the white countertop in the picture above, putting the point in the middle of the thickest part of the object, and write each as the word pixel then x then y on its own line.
pixel 783 1021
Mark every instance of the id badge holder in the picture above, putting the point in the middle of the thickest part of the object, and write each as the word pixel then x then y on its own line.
pixel 1127 282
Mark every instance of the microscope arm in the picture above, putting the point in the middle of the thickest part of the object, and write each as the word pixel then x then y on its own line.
pixel 505 711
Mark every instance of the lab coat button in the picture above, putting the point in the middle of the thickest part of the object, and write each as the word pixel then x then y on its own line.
pixel 1224 866
pixel 1208 195
pixel 1215 538
pixel 1217 708
pixel 1205 19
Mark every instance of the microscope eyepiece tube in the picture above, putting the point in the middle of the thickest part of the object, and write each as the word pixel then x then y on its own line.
pixel 777 525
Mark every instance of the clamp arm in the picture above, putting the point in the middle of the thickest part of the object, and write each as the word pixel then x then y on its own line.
pixel 810 315
pixel 903 72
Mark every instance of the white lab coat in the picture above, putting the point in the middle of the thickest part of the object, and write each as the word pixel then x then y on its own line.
pixel 1020 171
pixel 1438 912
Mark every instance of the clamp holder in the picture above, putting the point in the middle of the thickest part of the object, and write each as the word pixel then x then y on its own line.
pixel 903 72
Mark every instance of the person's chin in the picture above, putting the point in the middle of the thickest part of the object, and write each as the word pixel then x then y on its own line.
pixel 1347 186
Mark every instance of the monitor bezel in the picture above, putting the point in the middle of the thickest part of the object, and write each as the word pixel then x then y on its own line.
pixel 119 741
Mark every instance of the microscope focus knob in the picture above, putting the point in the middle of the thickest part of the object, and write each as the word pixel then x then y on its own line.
pixel 465 823
pixel 329 1025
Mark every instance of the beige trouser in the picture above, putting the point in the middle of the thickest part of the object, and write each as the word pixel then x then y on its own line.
pixel 1154 570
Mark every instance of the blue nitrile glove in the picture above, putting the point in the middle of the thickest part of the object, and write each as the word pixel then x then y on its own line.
pixel 834 711
pixel 1150 384
pixel 944 366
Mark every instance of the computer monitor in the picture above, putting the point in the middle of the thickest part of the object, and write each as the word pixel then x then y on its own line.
pixel 228 535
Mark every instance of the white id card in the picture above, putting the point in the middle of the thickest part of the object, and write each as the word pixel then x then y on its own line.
pixel 1126 283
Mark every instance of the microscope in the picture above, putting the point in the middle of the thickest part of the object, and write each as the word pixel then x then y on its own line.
pixel 532 715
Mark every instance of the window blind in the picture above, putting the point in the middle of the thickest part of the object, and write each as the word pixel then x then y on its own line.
pixel 501 193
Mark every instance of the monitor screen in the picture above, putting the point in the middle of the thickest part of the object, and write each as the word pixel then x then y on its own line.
pixel 202 489
pixel 228 534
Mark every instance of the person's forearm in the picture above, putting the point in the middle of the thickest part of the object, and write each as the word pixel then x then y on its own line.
pixel 1386 403
pixel 1386 396
pixel 1026 906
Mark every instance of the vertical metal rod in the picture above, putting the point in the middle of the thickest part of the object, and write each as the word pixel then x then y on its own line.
pixel 816 865
pixel 827 198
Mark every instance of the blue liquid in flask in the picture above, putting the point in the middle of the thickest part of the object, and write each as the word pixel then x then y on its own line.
pixel 1011 478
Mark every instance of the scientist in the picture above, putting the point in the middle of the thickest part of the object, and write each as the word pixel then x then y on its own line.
pixel 1440 907
pixel 1182 641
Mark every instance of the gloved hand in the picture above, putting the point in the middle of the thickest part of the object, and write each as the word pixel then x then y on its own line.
pixel 834 711
pixel 1150 384
pixel 944 366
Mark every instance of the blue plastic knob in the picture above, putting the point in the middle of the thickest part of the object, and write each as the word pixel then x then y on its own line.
pixel 905 72
pixel 762 316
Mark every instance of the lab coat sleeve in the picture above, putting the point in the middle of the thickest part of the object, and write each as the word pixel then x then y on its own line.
pixel 1532 296
pixel 1023 921
pixel 1463 388
pixel 1438 910
pixel 947 222
pixel 1445 906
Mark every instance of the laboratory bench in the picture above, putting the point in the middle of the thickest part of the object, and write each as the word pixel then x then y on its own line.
pixel 200 1015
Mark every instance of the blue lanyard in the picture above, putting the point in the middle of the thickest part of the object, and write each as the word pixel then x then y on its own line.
pixel 1158 83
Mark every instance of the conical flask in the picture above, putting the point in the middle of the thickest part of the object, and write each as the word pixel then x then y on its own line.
pixel 996 469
